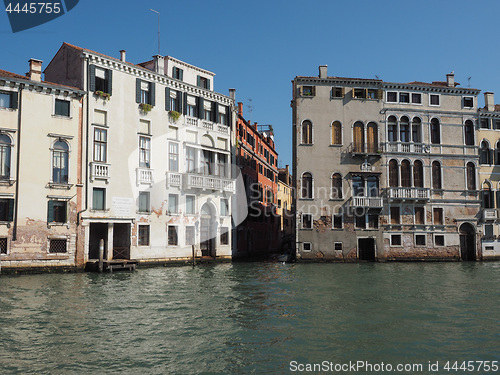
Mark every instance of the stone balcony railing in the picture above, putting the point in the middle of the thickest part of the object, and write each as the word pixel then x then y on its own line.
pixel 207 125
pixel 99 171
pixel 208 182
pixel 174 179
pixel 405 147
pixel 490 214
pixel 409 193
pixel 144 176
pixel 370 202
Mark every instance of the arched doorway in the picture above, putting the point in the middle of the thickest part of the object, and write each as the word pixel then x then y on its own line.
pixel 208 231
pixel 467 242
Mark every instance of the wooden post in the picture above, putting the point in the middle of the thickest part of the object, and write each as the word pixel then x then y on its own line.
pixel 192 250
pixel 101 255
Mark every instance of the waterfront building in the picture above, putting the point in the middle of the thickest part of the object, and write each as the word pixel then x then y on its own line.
pixel 40 171
pixel 385 171
pixel 257 160
pixel 285 208
pixel 157 156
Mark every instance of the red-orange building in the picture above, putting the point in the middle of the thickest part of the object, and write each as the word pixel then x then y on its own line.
pixel 258 160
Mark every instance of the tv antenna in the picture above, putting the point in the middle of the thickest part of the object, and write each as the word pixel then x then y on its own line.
pixel 468 79
pixel 250 109
pixel 152 10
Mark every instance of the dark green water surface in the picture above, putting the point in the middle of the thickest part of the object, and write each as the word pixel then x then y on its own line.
pixel 250 318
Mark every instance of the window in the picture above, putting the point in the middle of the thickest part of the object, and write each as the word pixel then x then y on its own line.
pixel 404 97
pixel 395 218
pixel 190 159
pixel 144 92
pixel 5 151
pixel 416 98
pixel 392 129
pixel 404 129
pixel 6 209
pixel 61 108
pixel 203 82
pixel 435 131
pixel 60 156
pixel 143 237
pixel 488 231
pixel 222 118
pixel 396 240
pixel 372 138
pixel 173 204
pixel 208 163
pixel 487 196
pixel 307 186
pixel 190 204
pixel 372 221
pixel 224 207
pixel 372 94
pixel 174 100
pixel 207 113
pixel 144 202
pixel 405 174
pixel 100 79
pixel 337 246
pixel 3 245
pixel 439 240
pixel 222 165
pixel 144 152
pixel 224 236
pixel 173 157
pixel 336 186
pixel 438 216
pixel 337 221
pixel 57 246
pixel 497 124
pixel 336 133
pixel 418 174
pixel 471 176
pixel 100 145
pixel 172 235
pixel 191 109
pixel 306 132
pixel 308 91
pixel 306 246
pixel 337 92
pixel 8 99
pixel 360 221
pixel 392 97
pixel 469 133
pixel 306 221
pixel 359 137
pixel 468 102
pixel 393 173
pixel 359 93
pixel 177 73
pixel 416 130
pixel 190 235
pixel 420 240
pixel 420 215
pixel 436 175
pixel 484 123
pixel 98 199
pixel 434 99
pixel 56 212
pixel 484 153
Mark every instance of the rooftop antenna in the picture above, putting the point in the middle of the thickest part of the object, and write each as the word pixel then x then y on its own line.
pixel 152 10
pixel 468 79
pixel 250 109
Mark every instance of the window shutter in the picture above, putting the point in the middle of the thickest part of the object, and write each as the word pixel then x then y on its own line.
pixel 199 107
pixel 13 100
pixel 109 80
pixel 299 90
pixel 50 212
pixel 365 94
pixel 343 91
pixel 229 116
pixel 137 90
pixel 313 90
pixel 167 99
pixel 92 78
pixel 208 84
pixel 65 212
pixel 184 107
pixel 215 112
pixel 179 101
pixel 198 79
pixel 181 72
pixel 380 94
pixel 10 216
pixel 152 94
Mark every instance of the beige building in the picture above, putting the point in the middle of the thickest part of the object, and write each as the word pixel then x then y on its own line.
pixel 385 171
pixel 285 206
pixel 40 171
pixel 157 156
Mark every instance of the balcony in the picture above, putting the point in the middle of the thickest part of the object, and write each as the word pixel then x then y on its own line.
pixel 369 202
pixel 490 214
pixel 365 150
pixel 99 171
pixel 406 147
pixel 174 179
pixel 191 121
pixel 208 182
pixel 409 193
pixel 206 125
pixel 144 176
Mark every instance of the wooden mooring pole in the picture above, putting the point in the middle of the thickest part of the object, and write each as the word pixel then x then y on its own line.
pixel 192 250
pixel 101 255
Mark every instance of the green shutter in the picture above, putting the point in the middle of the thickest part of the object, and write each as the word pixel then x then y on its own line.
pixel 92 78
pixel 137 90
pixel 10 214
pixel 184 107
pixel 50 212
pixel 179 101
pixel 109 81
pixel 215 112
pixel 200 108
pixel 198 81
pixel 229 114
pixel 181 73
pixel 152 94
pixel 13 100
pixel 208 84
pixel 167 99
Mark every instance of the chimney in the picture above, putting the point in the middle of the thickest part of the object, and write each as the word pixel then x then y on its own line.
pixel 122 55
pixel 489 101
pixel 450 79
pixel 240 108
pixel 159 64
pixel 232 94
pixel 323 71
pixel 35 73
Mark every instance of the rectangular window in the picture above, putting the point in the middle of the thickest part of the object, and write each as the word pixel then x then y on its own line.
pixel 145 98
pixel 416 98
pixel 144 152
pixel 144 202
pixel 404 97
pixel 222 165
pixel 57 246
pixel 190 235
pixel 6 209
pixel 61 108
pixel 485 123
pixel 56 212
pixel 8 99
pixel 224 236
pixel 337 246
pixel 372 94
pixel 190 160
pixel 497 124
pixel 439 240
pixel 143 237
pixel 372 221
pixel 488 231
pixel 224 207
pixel 306 221
pixel 360 221
pixel 99 199
pixel 208 161
pixel 102 80
pixel 173 204
pixel 395 218
pixel 438 216
pixel 468 102
pixel 100 145
pixel 173 157
pixel 190 204
pixel 420 240
pixel 396 240
pixel 307 91
pixel 434 99
pixel 203 82
pixel 359 93
pixel 307 246
pixel 172 235
pixel 337 221
pixel 392 97
pixel 177 73
pixel 191 106
pixel 337 92
pixel 3 245
pixel 419 215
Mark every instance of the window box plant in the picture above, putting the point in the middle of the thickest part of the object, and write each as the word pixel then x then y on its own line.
pixel 145 107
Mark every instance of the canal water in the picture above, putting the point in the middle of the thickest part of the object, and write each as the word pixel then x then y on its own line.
pixel 250 318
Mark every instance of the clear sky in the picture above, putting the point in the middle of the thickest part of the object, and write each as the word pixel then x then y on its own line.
pixel 258 47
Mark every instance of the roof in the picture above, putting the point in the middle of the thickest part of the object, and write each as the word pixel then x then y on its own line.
pixel 98 53
pixel 4 73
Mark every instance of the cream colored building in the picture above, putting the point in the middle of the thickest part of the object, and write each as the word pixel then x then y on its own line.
pixel 40 174
pixel 157 156
pixel 285 204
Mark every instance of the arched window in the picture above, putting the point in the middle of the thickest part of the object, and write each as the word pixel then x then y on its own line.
pixel 336 133
pixel 359 137
pixel 307 132
pixel 5 146
pixel 392 129
pixel 372 135
pixel 416 130
pixel 484 153
pixel 497 154
pixel 404 129
pixel 435 131
pixel 307 185
pixel 487 197
pixel 469 133
pixel 405 174
pixel 436 175
pixel 60 156
pixel 418 174
pixel 336 186
pixel 393 173
pixel 471 176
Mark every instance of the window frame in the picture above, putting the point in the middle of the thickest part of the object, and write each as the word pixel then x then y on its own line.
pixel 438 96
pixel 173 203
pixel 140 203
pixel 173 235
pixel 55 108
pixel 100 151
pixel 103 191
pixel 141 235
pixel 304 222
pixel 60 157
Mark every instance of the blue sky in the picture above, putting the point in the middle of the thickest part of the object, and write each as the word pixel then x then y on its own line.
pixel 258 47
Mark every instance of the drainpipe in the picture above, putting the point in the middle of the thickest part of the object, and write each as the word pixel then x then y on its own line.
pixel 16 200
pixel 86 153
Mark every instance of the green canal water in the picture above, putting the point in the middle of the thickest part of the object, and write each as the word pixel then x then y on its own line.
pixel 250 318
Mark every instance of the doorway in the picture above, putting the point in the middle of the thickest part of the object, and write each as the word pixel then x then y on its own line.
pixel 366 249
pixel 207 231
pixel 121 241
pixel 467 242
pixel 98 231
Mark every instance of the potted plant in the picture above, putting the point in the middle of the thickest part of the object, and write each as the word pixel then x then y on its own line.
pixel 174 115
pixel 103 94
pixel 145 107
